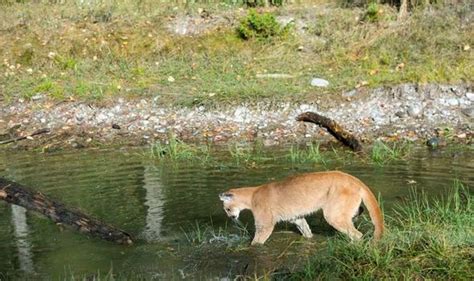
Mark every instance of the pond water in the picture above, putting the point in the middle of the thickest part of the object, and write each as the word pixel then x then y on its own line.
pixel 160 204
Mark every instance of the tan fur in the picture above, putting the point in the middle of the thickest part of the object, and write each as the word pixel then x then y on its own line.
pixel 338 194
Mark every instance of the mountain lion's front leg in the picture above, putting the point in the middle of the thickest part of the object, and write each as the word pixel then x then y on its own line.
pixel 262 232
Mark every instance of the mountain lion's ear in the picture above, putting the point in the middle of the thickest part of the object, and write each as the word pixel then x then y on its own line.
pixel 226 196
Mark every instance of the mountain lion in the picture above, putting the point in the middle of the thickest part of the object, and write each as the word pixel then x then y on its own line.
pixel 338 194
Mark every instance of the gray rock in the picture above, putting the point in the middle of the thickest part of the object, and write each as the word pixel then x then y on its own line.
pixel 101 118
pixel 415 110
pixel 400 114
pixel 469 112
pixel 377 116
pixel 433 142
pixel 407 90
pixel 318 82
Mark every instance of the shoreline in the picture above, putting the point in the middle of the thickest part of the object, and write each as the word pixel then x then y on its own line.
pixel 404 112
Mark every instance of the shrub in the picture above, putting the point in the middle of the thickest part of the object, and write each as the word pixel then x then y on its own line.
pixel 372 14
pixel 260 26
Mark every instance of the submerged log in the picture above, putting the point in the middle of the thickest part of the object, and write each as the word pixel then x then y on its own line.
pixel 17 194
pixel 333 128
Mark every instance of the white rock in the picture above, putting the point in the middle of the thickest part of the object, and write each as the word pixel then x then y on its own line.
pixel 453 102
pixel 37 97
pixel 318 82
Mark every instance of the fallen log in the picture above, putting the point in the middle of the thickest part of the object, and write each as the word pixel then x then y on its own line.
pixel 17 194
pixel 37 132
pixel 333 128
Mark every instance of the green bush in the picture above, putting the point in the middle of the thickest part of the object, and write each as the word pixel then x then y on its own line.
pixel 260 26
pixel 372 13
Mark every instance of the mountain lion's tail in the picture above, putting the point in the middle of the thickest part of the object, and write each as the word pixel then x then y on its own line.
pixel 375 213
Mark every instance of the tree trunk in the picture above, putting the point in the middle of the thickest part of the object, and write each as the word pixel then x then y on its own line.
pixel 403 12
pixel 333 128
pixel 17 194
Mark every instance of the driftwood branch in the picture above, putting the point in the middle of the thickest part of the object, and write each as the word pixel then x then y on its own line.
pixel 38 132
pixel 17 194
pixel 333 128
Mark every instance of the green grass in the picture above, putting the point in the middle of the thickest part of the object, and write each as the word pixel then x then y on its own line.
pixel 261 26
pixel 382 153
pixel 254 155
pixel 310 154
pixel 177 151
pixel 245 155
pixel 249 154
pixel 113 48
pixel 207 234
pixel 425 239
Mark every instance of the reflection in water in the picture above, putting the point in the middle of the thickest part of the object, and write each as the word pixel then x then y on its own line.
pixel 154 202
pixel 21 234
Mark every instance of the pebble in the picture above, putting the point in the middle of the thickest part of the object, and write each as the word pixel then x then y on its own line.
pixel 37 97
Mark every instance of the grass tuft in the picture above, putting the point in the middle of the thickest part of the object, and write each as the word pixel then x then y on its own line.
pixel 383 153
pixel 177 151
pixel 201 234
pixel 310 154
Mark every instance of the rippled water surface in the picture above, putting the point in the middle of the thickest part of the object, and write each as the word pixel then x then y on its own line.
pixel 158 203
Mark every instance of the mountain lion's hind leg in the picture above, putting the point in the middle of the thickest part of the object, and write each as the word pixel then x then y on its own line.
pixel 303 227
pixel 339 215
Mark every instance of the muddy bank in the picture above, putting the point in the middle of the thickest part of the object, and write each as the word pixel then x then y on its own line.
pixel 407 111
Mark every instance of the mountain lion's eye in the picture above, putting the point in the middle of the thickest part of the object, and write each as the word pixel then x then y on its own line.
pixel 228 209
